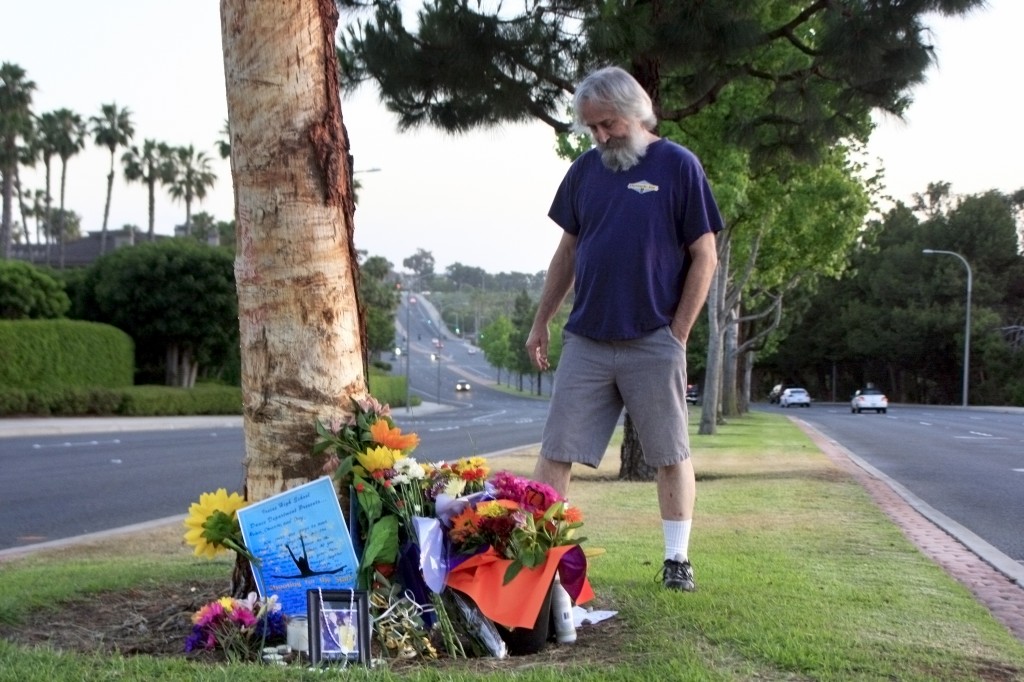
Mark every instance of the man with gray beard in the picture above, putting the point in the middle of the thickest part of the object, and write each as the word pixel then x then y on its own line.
pixel 638 249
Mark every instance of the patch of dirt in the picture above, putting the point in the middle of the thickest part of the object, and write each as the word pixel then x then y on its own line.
pixel 156 620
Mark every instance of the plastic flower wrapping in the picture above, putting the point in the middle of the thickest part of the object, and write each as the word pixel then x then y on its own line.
pixel 241 628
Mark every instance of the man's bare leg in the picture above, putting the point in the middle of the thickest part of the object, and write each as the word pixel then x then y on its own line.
pixel 677 491
pixel 555 474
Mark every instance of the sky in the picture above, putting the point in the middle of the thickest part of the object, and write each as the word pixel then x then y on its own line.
pixel 479 199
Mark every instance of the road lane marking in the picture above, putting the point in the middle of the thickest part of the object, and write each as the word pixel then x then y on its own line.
pixel 79 444
pixel 980 437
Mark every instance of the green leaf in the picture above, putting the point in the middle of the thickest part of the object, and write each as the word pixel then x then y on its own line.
pixel 512 571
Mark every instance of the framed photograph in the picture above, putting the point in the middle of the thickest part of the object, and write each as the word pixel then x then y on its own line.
pixel 339 626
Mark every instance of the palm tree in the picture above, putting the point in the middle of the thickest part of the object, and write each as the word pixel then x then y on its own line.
pixel 149 166
pixel 224 142
pixel 113 128
pixel 40 211
pixel 192 177
pixel 28 155
pixel 48 133
pixel 70 140
pixel 15 128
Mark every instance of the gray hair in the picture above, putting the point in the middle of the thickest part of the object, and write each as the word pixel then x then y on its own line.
pixel 618 89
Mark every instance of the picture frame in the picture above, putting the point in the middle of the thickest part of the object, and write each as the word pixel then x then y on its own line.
pixel 339 626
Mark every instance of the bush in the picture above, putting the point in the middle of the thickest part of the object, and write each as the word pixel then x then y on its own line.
pixel 136 401
pixel 26 292
pixel 171 401
pixel 13 401
pixel 37 354
pixel 390 389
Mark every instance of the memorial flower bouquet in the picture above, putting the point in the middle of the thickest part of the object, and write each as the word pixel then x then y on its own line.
pixel 372 456
pixel 241 628
pixel 522 523
pixel 396 500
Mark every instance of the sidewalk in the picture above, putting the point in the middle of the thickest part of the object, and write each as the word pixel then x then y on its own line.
pixel 50 426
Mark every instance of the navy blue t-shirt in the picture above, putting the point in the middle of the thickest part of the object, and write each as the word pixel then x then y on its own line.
pixel 632 228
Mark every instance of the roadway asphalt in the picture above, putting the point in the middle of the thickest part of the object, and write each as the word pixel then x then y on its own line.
pixel 994 579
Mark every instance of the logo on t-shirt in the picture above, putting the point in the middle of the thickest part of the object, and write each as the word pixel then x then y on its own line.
pixel 642 187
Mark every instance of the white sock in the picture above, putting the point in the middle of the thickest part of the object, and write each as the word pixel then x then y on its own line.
pixel 677 539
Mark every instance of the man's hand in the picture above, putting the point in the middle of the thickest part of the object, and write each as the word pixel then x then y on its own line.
pixel 537 347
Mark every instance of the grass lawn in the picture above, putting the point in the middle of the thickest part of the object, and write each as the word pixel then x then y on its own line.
pixel 800 577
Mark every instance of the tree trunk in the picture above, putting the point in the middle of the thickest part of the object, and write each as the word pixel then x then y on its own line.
pixel 19 190
pixel 747 373
pixel 730 343
pixel 151 184
pixel 301 326
pixel 632 466
pixel 8 200
pixel 106 206
pixel 171 365
pixel 713 371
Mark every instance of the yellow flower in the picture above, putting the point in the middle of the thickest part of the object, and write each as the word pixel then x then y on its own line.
pixel 495 508
pixel 379 458
pixel 200 512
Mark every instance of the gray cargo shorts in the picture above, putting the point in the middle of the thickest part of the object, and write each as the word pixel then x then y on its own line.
pixel 596 379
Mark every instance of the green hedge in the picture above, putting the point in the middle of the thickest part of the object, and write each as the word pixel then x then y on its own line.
pixel 168 401
pixel 60 354
pixel 390 389
pixel 136 401
pixel 139 401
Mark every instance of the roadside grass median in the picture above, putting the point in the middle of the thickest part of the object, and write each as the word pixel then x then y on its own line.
pixel 800 577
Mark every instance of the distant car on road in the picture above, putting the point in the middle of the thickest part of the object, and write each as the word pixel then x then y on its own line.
pixel 869 399
pixel 692 394
pixel 471 349
pixel 462 385
pixel 792 397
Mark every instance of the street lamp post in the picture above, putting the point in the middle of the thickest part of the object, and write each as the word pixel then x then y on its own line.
pixel 967 323
pixel 408 334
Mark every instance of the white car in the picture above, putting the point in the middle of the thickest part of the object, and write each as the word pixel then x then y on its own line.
pixel 794 396
pixel 869 399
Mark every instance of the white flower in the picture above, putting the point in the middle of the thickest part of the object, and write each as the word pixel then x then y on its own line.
pixel 410 469
pixel 454 487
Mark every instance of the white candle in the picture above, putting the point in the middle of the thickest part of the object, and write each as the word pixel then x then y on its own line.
pixel 298 635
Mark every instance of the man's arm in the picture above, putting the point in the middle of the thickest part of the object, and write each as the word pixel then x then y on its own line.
pixel 560 275
pixel 704 260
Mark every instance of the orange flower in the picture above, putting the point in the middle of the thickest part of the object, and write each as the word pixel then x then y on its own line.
pixel 464 524
pixel 572 514
pixel 384 434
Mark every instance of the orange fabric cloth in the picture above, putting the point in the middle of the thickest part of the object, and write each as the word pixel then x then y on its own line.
pixel 517 604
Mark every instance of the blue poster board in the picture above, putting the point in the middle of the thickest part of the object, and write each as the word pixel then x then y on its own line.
pixel 303 543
